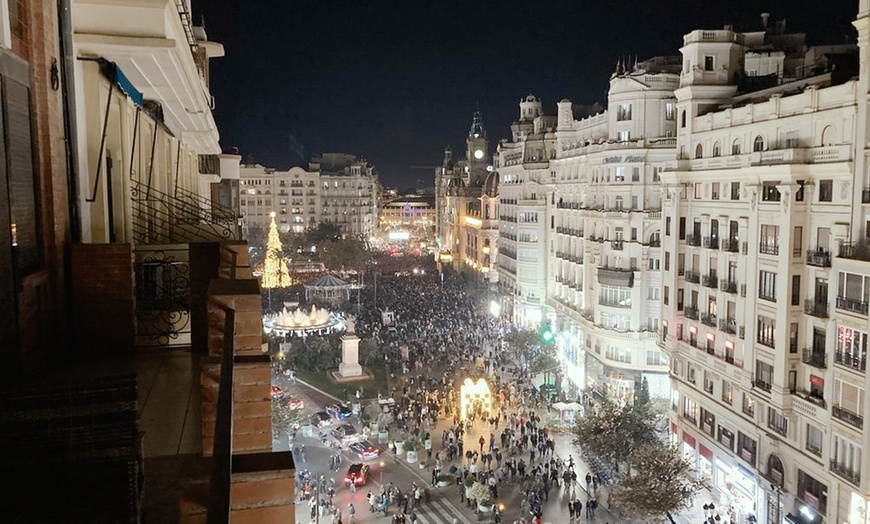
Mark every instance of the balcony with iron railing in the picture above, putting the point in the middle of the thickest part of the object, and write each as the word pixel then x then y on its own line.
pixel 781 427
pixel 845 471
pixel 693 240
pixel 762 385
pixel 768 341
pixel 711 242
pixel 853 419
pixel 711 280
pixel 730 245
pixel 728 325
pixel 728 286
pixel 691 312
pixel 852 305
pixel 709 320
pixel 768 248
pixel 693 276
pixel 605 301
pixel 851 360
pixel 614 276
pixel 815 357
pixel 616 244
pixel 816 308
pixel 818 258
pixel 855 250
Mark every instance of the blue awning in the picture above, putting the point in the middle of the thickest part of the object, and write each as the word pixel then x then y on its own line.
pixel 111 71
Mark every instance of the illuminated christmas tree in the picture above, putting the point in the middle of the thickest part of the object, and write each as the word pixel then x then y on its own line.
pixel 275 272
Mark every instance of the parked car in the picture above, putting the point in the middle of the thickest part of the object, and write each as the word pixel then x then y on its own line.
pixel 295 402
pixel 366 450
pixel 339 411
pixel 320 419
pixel 357 473
pixel 345 433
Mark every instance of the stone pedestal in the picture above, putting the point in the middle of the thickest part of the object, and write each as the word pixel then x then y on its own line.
pixel 349 370
pixel 349 366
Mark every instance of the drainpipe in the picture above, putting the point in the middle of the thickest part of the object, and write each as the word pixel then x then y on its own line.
pixel 67 67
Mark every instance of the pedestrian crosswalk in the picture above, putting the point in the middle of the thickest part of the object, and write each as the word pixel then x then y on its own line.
pixel 439 511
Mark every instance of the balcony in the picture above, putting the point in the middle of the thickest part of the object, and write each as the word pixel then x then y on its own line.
pixel 711 281
pixel 767 341
pixel 768 248
pixel 852 305
pixel 851 360
pixel 815 308
pixel 691 312
pixel 846 472
pixel 814 357
pixel 708 320
pixel 782 429
pixel 728 325
pixel 616 244
pixel 693 276
pixel 818 258
pixel 847 416
pixel 693 240
pixel 711 242
pixel 762 385
pixel 615 276
pixel 855 251
pixel 603 301
pixel 728 286
pixel 730 245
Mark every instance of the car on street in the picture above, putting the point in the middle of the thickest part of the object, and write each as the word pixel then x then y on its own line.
pixel 366 450
pixel 357 473
pixel 295 402
pixel 345 433
pixel 338 411
pixel 320 419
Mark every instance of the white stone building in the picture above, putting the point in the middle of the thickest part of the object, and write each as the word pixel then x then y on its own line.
pixel 762 214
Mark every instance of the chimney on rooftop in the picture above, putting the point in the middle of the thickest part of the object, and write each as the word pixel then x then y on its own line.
pixel 764 17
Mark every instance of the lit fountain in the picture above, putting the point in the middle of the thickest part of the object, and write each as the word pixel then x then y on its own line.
pixel 299 322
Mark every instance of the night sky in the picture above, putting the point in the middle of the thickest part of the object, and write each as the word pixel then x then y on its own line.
pixel 395 82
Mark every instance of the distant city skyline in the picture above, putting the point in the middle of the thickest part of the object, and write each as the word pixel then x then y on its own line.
pixel 395 84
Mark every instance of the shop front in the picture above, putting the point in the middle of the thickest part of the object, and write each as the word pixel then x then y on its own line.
pixel 738 490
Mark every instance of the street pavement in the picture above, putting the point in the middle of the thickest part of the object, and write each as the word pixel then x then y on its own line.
pixel 445 503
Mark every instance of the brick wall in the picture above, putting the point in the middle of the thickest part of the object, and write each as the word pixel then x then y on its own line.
pixel 103 302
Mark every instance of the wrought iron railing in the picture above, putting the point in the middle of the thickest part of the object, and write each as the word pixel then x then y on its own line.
pixel 847 416
pixel 855 250
pixel 162 295
pixel 853 305
pixel 851 360
pixel 818 258
pixel 814 358
pixel 816 308
pixel 846 471
pixel 160 218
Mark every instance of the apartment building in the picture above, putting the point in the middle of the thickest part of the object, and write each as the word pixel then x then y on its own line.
pixel 765 212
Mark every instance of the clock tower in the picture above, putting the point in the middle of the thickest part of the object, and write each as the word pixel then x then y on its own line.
pixel 477 153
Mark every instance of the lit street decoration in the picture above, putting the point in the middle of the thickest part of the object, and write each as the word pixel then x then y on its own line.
pixel 275 272
pixel 473 395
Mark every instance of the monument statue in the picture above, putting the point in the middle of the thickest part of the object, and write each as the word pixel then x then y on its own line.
pixel 350 324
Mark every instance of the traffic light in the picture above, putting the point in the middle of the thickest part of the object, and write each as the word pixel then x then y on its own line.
pixel 548 336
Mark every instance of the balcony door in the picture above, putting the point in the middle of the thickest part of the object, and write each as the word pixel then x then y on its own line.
pixel 821 291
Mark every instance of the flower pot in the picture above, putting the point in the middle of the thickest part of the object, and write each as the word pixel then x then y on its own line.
pixel 412 457
pixel 374 427
pixel 484 509
pixel 400 447
pixel 443 483
pixel 383 436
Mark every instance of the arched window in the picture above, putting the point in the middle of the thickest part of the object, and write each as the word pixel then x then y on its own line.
pixel 699 151
pixel 758 144
pixel 717 149
pixel 735 147
pixel 683 119
pixel 828 136
pixel 775 470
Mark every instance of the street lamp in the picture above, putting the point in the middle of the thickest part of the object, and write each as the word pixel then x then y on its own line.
pixel 382 472
pixel 776 488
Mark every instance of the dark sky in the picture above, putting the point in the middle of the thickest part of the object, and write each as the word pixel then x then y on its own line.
pixel 395 82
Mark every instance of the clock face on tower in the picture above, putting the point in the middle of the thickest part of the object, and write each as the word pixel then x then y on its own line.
pixel 478 154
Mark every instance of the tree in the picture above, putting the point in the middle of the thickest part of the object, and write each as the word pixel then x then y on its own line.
pixel 323 231
pixel 346 253
pixel 656 484
pixel 522 344
pixel 613 430
pixel 275 272
pixel 284 420
pixel 642 397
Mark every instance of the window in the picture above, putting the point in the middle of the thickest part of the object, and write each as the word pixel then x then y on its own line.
pixel 767 285
pixel 766 331
pixel 853 292
pixel 667 294
pixel 814 440
pixel 635 174
pixel 699 151
pixel 699 190
pixel 619 174
pixel 735 190
pixel 717 149
pixel 777 422
pixel 669 110
pixel 769 239
pixel 619 354
pixel 623 136
pixel 846 458
pixel 795 290
pixel 735 147
pixel 746 448
pixel 748 405
pixel 812 492
pixel 668 226
pixel 726 438
pixel 667 260
pixel 769 192
pixel 851 347
pixel 623 112
pixel 758 144
pixel 708 63
pixel 826 190
pixel 715 195
pixel 727 392
pixel 683 119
